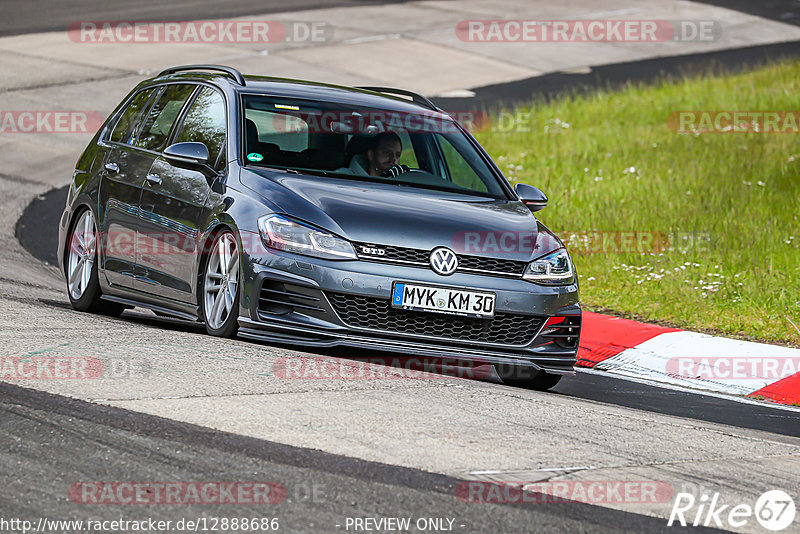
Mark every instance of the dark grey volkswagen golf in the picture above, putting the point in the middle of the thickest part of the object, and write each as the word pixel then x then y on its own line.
pixel 304 213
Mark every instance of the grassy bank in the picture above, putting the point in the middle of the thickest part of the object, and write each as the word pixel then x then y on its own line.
pixel 710 232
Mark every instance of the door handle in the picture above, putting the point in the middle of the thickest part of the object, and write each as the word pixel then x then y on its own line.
pixel 112 167
pixel 153 178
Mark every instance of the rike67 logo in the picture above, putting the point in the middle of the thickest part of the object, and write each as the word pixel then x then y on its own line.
pixel 774 510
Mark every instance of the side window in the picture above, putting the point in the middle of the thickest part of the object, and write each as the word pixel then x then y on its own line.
pixel 408 157
pixel 205 122
pixel 155 130
pixel 129 116
pixel 461 172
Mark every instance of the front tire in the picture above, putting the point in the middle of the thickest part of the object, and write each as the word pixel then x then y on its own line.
pixel 83 286
pixel 219 302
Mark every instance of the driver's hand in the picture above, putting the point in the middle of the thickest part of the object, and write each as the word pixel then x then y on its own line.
pixel 395 170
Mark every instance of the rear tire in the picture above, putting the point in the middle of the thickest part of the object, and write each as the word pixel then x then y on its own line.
pixel 80 267
pixel 219 286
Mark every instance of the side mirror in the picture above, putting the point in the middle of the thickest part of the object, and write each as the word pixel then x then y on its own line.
pixel 192 156
pixel 531 196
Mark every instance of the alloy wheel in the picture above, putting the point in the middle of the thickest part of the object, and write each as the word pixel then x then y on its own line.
pixel 221 281
pixel 82 248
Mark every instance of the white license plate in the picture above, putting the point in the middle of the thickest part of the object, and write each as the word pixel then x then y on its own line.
pixel 443 300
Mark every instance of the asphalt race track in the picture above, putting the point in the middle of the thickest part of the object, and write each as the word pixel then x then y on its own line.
pixel 320 488
pixel 176 405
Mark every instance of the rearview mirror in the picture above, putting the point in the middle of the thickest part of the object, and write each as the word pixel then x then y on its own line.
pixel 531 196
pixel 192 156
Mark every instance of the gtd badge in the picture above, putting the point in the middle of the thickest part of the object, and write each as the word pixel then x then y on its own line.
pixel 444 261
pixel 373 251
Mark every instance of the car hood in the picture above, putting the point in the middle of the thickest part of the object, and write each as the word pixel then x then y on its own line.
pixel 387 214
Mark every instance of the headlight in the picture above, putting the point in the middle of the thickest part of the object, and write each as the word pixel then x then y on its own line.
pixel 555 269
pixel 282 233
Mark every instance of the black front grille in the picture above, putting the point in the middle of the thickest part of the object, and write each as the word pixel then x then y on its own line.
pixel 377 314
pixel 491 264
pixel 413 255
pixel 421 258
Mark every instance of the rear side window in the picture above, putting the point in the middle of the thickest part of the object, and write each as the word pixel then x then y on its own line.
pixel 155 130
pixel 205 122
pixel 129 116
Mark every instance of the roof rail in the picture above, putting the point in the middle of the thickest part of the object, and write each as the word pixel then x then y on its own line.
pixel 417 98
pixel 230 71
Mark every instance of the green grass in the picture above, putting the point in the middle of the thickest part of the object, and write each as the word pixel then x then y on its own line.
pixel 608 162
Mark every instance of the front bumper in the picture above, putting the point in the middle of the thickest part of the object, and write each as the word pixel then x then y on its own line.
pixel 298 300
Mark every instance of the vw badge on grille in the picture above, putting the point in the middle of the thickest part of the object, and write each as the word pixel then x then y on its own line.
pixel 444 261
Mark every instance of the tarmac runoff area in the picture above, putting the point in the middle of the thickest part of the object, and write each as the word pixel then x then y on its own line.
pixel 459 428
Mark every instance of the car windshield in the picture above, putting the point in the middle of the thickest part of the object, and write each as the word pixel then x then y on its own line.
pixel 423 149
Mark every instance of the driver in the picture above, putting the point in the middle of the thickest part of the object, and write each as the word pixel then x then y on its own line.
pixel 380 158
